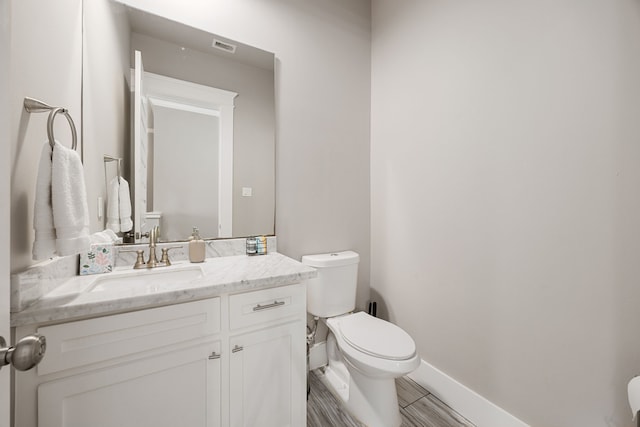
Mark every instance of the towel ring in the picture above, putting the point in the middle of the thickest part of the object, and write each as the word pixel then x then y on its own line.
pixel 35 106
pixel 52 116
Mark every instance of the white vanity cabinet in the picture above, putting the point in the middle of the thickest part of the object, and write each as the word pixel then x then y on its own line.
pixel 155 367
pixel 267 371
pixel 233 360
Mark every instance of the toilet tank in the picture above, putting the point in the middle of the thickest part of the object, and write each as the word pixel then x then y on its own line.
pixel 333 291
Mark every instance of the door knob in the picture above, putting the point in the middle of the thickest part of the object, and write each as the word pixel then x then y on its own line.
pixel 26 354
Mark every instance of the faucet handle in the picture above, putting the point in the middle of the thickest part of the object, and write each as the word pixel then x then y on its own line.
pixel 139 235
pixel 139 259
pixel 165 255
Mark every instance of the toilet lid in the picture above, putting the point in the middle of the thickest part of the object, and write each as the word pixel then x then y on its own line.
pixel 376 337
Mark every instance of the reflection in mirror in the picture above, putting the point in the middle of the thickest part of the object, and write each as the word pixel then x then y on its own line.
pixel 198 119
pixel 221 180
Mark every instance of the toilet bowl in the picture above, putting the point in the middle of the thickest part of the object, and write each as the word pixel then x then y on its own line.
pixel 373 346
pixel 365 354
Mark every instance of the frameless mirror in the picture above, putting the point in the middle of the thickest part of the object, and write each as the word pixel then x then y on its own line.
pixel 192 116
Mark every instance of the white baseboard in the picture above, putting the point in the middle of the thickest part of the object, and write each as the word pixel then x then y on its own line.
pixel 463 400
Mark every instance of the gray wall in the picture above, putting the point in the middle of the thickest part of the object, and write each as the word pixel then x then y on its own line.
pixel 322 106
pixel 505 166
pixel 45 63
pixel 106 99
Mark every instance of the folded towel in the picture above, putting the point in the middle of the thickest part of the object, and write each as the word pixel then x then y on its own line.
pixel 44 245
pixel 119 206
pixel 69 201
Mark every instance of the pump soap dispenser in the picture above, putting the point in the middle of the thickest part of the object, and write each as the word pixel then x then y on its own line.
pixel 196 247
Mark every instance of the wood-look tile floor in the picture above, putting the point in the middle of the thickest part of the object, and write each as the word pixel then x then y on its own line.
pixel 418 407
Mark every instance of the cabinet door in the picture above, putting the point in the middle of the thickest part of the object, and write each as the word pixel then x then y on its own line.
pixel 267 377
pixel 178 388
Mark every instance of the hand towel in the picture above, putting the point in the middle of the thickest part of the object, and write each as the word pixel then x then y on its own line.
pixel 126 223
pixel 113 206
pixel 44 245
pixel 119 206
pixel 69 201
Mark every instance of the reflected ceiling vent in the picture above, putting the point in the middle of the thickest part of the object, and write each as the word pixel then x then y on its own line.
pixel 227 47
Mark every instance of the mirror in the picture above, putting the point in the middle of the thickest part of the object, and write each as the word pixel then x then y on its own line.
pixel 197 142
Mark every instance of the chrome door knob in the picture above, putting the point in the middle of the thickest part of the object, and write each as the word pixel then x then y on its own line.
pixel 26 354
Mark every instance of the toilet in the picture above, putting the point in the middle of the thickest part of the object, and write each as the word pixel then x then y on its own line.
pixel 365 354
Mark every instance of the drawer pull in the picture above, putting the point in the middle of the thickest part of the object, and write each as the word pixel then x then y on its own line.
pixel 264 307
pixel 237 348
pixel 214 356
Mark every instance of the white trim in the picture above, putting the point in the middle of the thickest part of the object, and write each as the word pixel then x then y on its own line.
pixel 163 87
pixel 140 138
pixel 206 100
pixel 183 107
pixel 475 408
pixel 6 127
pixel 225 171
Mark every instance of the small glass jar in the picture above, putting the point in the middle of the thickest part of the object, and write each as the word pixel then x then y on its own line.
pixel 252 246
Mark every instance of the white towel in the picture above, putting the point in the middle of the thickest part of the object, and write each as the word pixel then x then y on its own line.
pixel 126 223
pixel 119 206
pixel 44 245
pixel 113 206
pixel 69 201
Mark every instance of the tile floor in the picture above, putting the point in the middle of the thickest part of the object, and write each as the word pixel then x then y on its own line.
pixel 418 407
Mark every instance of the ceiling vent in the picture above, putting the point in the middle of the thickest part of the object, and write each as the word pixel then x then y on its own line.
pixel 227 47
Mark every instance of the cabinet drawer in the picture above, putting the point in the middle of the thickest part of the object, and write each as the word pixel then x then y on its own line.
pixel 266 305
pixel 90 341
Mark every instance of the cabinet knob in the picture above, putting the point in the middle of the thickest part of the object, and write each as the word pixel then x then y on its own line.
pixel 26 354
pixel 214 356
pixel 237 348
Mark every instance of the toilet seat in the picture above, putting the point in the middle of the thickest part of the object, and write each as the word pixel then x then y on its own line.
pixel 375 337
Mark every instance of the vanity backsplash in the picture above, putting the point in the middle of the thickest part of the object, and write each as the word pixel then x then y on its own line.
pixel 31 284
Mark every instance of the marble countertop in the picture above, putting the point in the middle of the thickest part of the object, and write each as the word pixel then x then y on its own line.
pixel 104 294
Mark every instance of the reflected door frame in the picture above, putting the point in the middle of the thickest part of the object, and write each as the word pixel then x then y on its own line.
pixel 170 91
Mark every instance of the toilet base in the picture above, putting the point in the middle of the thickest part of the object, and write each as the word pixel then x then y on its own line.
pixel 373 401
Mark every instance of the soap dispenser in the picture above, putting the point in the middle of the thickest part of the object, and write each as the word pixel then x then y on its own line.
pixel 196 247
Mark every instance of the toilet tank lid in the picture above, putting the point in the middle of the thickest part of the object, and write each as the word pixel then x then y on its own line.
pixel 334 259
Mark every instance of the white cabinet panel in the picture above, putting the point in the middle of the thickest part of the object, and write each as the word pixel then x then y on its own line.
pixel 267 377
pixel 84 342
pixel 177 388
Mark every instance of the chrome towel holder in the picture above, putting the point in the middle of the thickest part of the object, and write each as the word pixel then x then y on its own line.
pixel 32 105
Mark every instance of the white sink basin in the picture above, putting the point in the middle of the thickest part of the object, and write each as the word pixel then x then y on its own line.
pixel 146 281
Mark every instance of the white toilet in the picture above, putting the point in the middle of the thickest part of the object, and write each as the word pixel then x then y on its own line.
pixel 365 354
